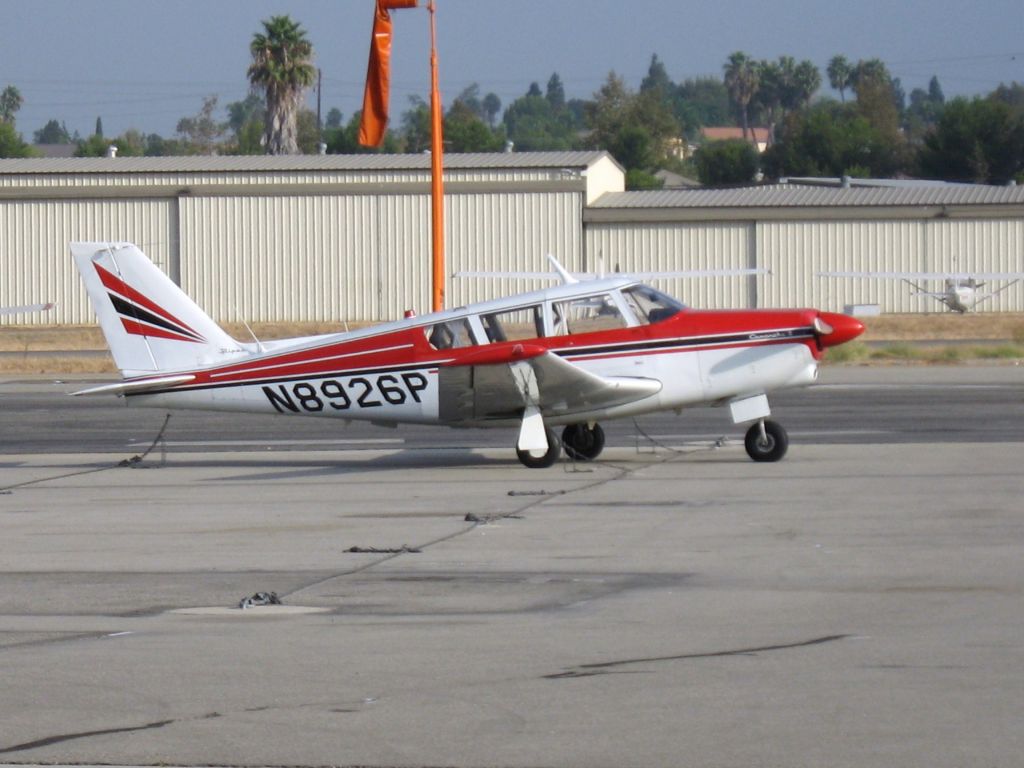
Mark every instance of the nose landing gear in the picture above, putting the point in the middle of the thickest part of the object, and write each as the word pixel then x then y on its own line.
pixel 766 441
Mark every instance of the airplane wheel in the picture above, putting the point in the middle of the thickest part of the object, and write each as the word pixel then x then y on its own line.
pixel 771 449
pixel 549 458
pixel 583 443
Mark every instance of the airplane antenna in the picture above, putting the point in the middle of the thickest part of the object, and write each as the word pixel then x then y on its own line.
pixel 563 273
pixel 259 344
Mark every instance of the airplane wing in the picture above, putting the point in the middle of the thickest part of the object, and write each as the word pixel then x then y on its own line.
pixel 506 381
pixel 986 296
pixel 670 274
pixel 928 275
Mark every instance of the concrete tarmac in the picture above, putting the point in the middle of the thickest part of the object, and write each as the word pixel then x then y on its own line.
pixel 856 604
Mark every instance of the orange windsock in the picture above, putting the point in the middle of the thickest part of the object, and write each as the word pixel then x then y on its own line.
pixel 378 74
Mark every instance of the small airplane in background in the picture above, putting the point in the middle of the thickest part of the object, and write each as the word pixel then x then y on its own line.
pixel 961 292
pixel 27 308
pixel 570 355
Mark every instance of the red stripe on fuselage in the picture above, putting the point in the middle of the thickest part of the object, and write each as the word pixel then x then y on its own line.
pixel 409 347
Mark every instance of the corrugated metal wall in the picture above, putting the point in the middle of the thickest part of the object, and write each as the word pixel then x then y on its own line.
pixel 795 250
pixel 630 247
pixel 510 232
pixel 362 257
pixel 37 265
pixel 364 254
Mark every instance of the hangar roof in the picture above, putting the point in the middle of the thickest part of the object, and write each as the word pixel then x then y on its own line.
pixel 790 202
pixel 789 195
pixel 279 163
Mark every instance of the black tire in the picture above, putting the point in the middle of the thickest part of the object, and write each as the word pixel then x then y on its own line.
pixel 772 449
pixel 549 458
pixel 583 443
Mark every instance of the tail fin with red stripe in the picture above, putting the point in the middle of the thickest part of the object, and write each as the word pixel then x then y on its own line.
pixel 150 324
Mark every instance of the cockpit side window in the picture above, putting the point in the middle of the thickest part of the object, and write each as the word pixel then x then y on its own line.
pixel 515 324
pixel 650 305
pixel 454 333
pixel 586 315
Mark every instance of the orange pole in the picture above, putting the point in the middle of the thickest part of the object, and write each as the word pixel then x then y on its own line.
pixel 436 170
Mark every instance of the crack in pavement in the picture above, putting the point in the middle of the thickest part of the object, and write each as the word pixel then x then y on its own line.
pixel 609 667
pixel 60 738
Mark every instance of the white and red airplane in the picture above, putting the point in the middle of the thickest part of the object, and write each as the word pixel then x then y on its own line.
pixel 961 290
pixel 570 355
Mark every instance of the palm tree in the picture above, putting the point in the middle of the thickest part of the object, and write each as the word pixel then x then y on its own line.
pixel 741 79
pixel 840 75
pixel 281 66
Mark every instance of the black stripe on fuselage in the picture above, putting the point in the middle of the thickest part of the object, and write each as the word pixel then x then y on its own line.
pixel 689 343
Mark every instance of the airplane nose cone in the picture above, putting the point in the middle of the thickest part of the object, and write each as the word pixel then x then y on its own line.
pixel 841 328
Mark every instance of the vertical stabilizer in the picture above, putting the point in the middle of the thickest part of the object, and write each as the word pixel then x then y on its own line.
pixel 150 324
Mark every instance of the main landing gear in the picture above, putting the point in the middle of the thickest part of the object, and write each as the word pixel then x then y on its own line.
pixel 546 459
pixel 582 442
pixel 766 441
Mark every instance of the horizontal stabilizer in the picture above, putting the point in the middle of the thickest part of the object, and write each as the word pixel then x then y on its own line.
pixel 138 386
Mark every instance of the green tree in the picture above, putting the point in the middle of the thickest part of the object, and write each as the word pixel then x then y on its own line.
pixel 657 80
pixel 877 96
pixel 282 68
pixel 334 118
pixel 11 144
pixel 470 98
pixel 924 110
pixel 10 103
pixel 99 127
pixel 806 82
pixel 840 75
pixel 702 101
pixel 741 79
pixel 201 132
pixel 981 141
pixel 832 139
pixel 637 128
pixel 464 131
pixel 416 126
pixel 52 133
pixel 492 106
pixel 555 93
pixel 533 125
pixel 246 119
pixel 1012 95
pixel 726 162
pixel 344 139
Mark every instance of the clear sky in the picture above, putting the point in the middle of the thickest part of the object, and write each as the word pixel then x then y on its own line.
pixel 146 63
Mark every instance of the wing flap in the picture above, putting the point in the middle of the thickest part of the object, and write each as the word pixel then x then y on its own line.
pixel 545 381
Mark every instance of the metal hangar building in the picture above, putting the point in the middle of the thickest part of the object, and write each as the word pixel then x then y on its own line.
pixel 347 237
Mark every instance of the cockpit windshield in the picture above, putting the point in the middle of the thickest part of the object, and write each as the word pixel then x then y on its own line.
pixel 650 305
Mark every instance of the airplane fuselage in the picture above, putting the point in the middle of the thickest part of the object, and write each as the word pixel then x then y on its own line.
pixel 395 376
